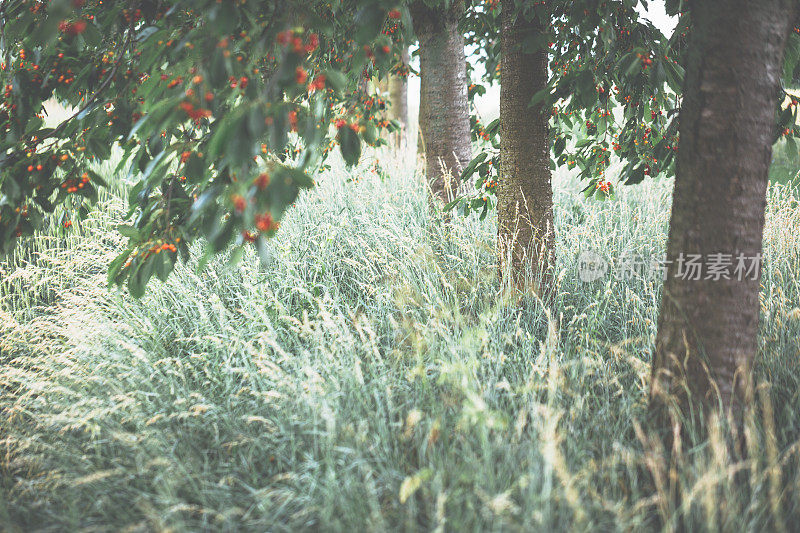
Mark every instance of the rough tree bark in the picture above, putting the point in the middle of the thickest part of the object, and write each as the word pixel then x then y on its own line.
pixel 444 107
pixel 707 331
pixel 525 235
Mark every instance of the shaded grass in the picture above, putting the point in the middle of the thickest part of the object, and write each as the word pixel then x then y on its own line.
pixel 371 375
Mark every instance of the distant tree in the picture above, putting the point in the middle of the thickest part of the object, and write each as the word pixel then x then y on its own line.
pixel 397 87
pixel 444 107
pixel 564 68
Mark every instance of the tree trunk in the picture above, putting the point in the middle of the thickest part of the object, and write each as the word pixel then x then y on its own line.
pixel 525 233
pixel 444 107
pixel 382 85
pixel 707 332
pixel 398 96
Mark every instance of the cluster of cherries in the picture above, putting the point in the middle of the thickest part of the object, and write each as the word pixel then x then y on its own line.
pixel 72 185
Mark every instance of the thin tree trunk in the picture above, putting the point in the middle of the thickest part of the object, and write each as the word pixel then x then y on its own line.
pixel 382 85
pixel 525 233
pixel 707 333
pixel 444 107
pixel 398 97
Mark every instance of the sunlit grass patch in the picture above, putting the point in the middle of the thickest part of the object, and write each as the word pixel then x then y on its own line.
pixel 369 375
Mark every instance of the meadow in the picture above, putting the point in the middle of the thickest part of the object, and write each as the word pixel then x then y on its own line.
pixel 372 375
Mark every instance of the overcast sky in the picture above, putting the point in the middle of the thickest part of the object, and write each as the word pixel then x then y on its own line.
pixel 655 13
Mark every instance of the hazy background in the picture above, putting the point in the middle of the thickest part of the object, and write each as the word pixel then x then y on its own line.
pixel 488 105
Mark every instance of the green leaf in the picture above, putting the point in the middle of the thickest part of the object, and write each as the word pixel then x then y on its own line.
pixel 586 90
pixel 225 18
pixel 791 150
pixel 220 238
pixel 791 58
pixel 540 96
pixel 100 148
pixel 350 145
pixel 129 231
pixel 534 42
pixel 91 35
pixel 221 137
pixel 633 176
pixel 137 280
pixel 369 22
pixel 164 264
pixel 470 168
pixel 485 211
pixel 236 256
pixel 116 265
pixel 675 75
pixel 370 133
pixel 336 80
pixel 559 146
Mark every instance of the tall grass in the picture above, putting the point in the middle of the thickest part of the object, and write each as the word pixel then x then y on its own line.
pixel 371 376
